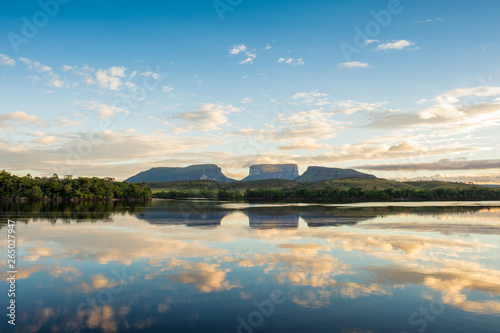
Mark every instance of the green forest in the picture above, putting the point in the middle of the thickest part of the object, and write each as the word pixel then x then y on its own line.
pixel 335 195
pixel 13 187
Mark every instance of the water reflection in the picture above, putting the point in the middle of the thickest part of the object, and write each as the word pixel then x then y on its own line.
pixel 198 266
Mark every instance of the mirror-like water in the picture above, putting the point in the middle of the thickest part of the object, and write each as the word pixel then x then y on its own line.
pixel 187 266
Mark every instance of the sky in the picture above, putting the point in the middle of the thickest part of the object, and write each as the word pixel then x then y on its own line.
pixel 404 89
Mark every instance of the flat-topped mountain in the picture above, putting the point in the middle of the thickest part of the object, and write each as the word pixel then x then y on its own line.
pixel 192 172
pixel 273 171
pixel 316 174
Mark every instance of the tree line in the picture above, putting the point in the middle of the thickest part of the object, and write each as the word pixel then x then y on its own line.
pixel 335 195
pixel 30 188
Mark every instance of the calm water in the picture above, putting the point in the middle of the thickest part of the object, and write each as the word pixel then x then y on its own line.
pixel 220 267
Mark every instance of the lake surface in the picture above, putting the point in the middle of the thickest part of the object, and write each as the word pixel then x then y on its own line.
pixel 189 266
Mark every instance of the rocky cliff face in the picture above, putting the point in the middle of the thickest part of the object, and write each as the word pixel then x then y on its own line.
pixel 316 174
pixel 273 171
pixel 192 172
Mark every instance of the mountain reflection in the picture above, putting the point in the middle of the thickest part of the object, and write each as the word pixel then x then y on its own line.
pixel 208 214
pixel 192 265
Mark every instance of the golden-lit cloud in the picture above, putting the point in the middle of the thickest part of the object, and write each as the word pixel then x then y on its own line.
pixel 206 278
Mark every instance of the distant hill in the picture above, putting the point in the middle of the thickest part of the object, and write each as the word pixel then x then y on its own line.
pixel 273 171
pixel 192 172
pixel 316 174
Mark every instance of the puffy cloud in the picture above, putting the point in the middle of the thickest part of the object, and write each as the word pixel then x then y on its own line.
pixel 242 49
pixel 85 72
pixel 51 78
pixel 453 96
pixel 306 144
pixel 96 153
pixel 250 58
pixel 207 278
pixel 458 111
pixel 344 106
pixel 154 75
pixel 6 61
pixel 35 65
pixel 167 89
pixel 351 107
pixel 110 78
pixel 353 65
pixel 104 111
pixel 291 61
pixel 237 49
pixel 208 117
pixel 395 45
pixel 297 126
pixel 385 150
pixel 21 117
pixel 311 98
pixel 42 138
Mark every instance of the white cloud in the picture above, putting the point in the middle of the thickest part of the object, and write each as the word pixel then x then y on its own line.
pixel 249 60
pixel 51 78
pixel 6 61
pixel 209 117
pixel 104 111
pixel 351 107
pixel 237 49
pixel 21 117
pixel 35 65
pixel 448 103
pixel 42 138
pixel 111 78
pixel 482 91
pixel 311 98
pixel 109 147
pixel 395 45
pixel 268 47
pixel 345 106
pixel 387 148
pixel 353 65
pixel 428 20
pixel 305 143
pixel 85 72
pixel 370 41
pixel 167 89
pixel 296 127
pixel 291 61
pixel 242 49
pixel 154 75
pixel 63 121
pixel 246 100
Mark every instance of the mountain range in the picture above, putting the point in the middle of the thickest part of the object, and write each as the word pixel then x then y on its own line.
pixel 256 172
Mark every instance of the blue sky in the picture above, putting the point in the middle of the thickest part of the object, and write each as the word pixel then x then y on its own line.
pixel 400 89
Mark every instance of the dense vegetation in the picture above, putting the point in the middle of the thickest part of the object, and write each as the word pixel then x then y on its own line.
pixel 335 195
pixel 53 188
pixel 69 211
